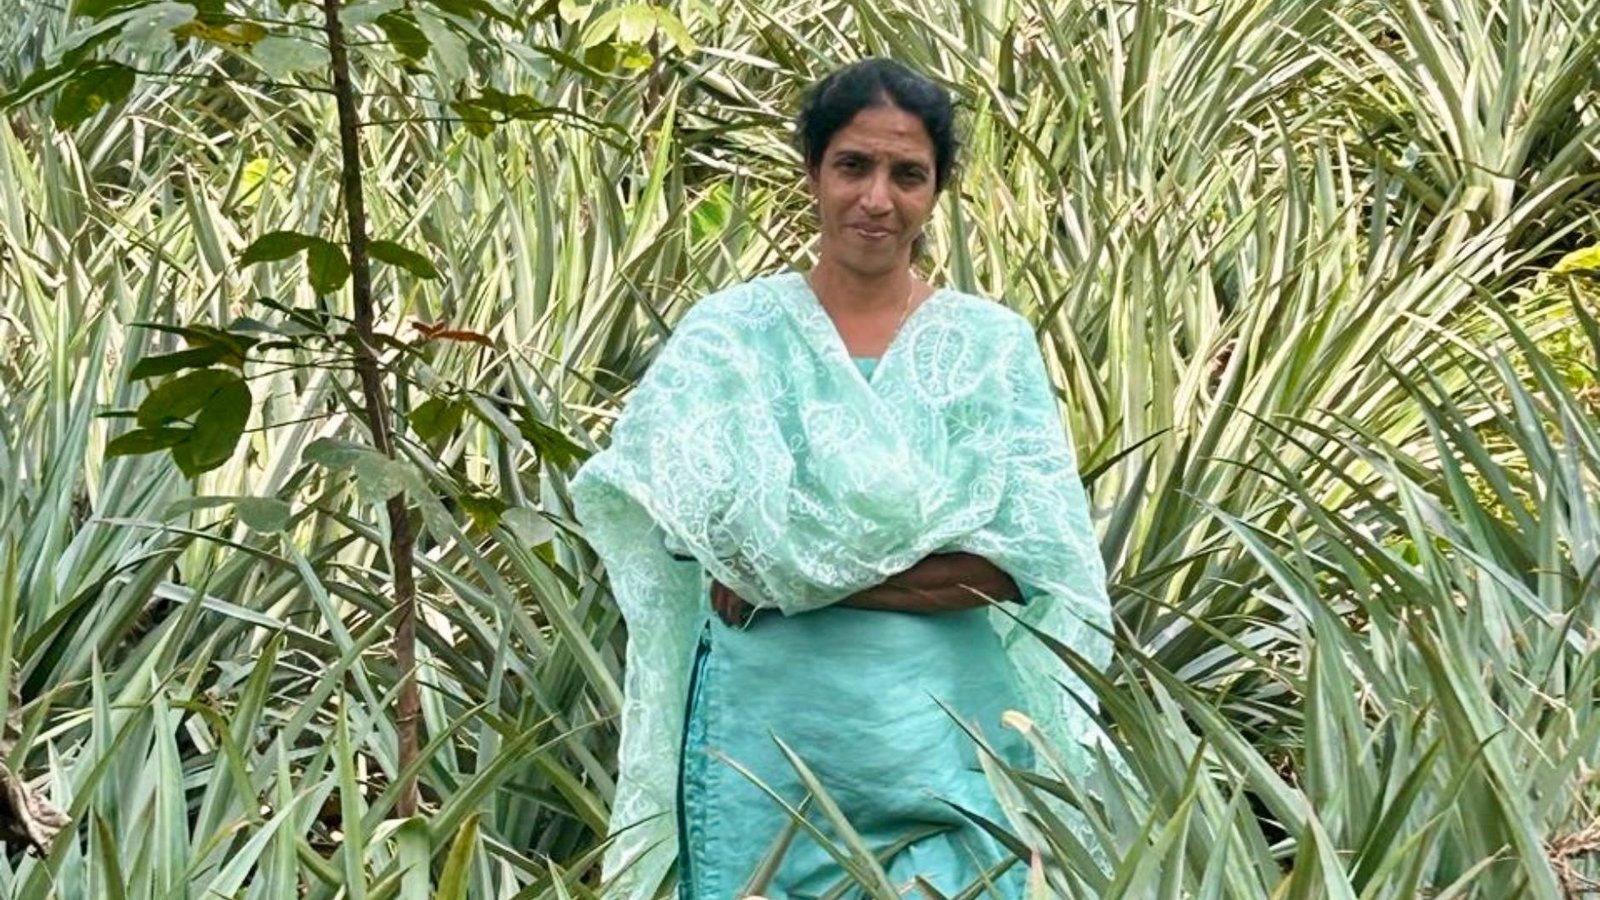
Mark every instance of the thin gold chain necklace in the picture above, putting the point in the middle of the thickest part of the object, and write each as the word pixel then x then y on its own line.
pixel 905 311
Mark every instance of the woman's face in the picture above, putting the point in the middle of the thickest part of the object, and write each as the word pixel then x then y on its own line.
pixel 874 189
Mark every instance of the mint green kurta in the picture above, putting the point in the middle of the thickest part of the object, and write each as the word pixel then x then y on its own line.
pixel 753 451
pixel 857 695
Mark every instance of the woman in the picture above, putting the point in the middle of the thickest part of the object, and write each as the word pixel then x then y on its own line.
pixel 828 503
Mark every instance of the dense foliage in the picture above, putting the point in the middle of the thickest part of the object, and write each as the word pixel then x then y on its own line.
pixel 1316 279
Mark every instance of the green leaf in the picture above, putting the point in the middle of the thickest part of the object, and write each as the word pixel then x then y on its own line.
pixel 89 90
pixel 275 245
pixel 1587 259
pixel 378 478
pixel 100 9
pixel 671 27
pixel 184 396
pixel 333 454
pixel 437 418
pixel 402 31
pixel 267 515
pixel 711 214
pixel 516 106
pixel 145 440
pixel 283 56
pixel 150 30
pixel 226 31
pixel 484 510
pixel 479 123
pixel 40 81
pixel 415 858
pixel 449 50
pixel 167 363
pixel 466 8
pixel 456 877
pixel 410 260
pixel 529 526
pixel 552 446
pixel 631 24
pixel 326 266
pixel 636 56
pixel 217 430
pixel 204 335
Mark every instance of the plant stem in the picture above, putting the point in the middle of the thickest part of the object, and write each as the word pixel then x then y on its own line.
pixel 402 543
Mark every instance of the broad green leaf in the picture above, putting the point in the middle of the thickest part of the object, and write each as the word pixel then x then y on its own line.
pixel 284 55
pixel 396 255
pixel 467 8
pixel 184 396
pixel 632 23
pixel 39 81
pixel 437 418
pixel 333 453
pixel 230 32
pixel 484 510
pixel 402 31
pixel 379 478
pixel 669 25
pixel 446 48
pixel 552 446
pixel 90 89
pixel 108 866
pixel 149 30
pixel 366 12
pixel 477 120
pixel 145 440
pixel 167 363
pixel 217 429
pixel 275 245
pixel 100 9
pixel 267 515
pixel 530 527
pixel 327 268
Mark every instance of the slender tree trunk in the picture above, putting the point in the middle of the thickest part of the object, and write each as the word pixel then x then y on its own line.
pixel 402 543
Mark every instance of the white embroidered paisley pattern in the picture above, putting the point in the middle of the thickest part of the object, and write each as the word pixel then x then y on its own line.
pixel 755 446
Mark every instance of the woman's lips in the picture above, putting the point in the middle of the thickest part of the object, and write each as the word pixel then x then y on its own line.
pixel 871 233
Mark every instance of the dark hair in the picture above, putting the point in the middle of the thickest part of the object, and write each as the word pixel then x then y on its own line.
pixel 834 101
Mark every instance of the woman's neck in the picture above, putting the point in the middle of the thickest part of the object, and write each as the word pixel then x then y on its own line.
pixel 851 292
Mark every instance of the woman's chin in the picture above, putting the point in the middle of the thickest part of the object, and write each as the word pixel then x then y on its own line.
pixel 871 260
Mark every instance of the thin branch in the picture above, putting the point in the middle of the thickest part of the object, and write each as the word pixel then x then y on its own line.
pixel 402 541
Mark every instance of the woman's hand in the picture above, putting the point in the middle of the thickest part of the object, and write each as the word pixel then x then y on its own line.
pixel 943 582
pixel 729 607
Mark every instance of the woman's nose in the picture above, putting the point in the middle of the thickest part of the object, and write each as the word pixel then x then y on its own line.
pixel 875 199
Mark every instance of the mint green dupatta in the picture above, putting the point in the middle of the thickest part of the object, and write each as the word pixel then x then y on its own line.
pixel 754 452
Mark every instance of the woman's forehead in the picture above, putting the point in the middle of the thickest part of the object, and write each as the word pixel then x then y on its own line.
pixel 884 131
